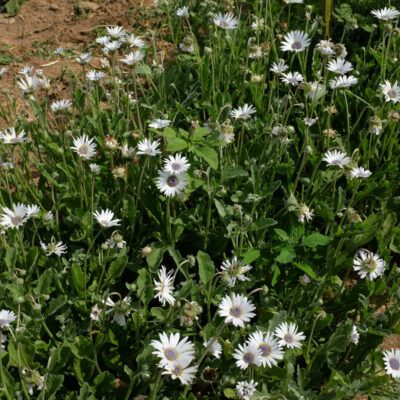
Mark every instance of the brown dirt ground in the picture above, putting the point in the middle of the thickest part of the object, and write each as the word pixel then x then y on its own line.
pixel 54 23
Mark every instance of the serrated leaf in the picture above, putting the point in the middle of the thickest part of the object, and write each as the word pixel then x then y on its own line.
pixel 176 144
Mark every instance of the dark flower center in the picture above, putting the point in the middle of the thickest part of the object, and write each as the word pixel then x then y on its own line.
pixel 265 350
pixel 171 354
pixel 391 94
pixel 296 46
pixel 172 181
pixel 175 166
pixel 177 370
pixel 83 149
pixel 248 358
pixel 16 220
pixel 394 364
pixel 288 338
pixel 235 311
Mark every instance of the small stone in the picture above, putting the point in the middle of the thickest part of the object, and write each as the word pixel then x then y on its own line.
pixel 54 7
pixel 88 6
pixel 7 21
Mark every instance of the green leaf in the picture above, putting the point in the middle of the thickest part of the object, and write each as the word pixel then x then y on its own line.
pixel 206 267
pixel 286 255
pixel 233 172
pixel 13 7
pixel 275 277
pixel 53 384
pixel 56 304
pixel 11 257
pixel 31 257
pixel 230 393
pixel 263 223
pixel 117 267
pixel 307 269
pixel 176 144
pixel 144 279
pixel 250 256
pixel 208 154
pixel 78 278
pixel 44 282
pixel 316 239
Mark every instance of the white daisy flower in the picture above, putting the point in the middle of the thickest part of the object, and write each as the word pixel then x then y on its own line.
pixel 343 82
pixel 116 32
pixel 392 93
pixel 235 269
pixel 133 58
pixel 176 164
pixel 171 184
pixel 94 168
pixel 102 40
pixel 27 70
pixel 295 41
pixel 3 70
pixel 246 355
pixel 84 147
pixel 54 248
pixel 355 336
pixel 310 121
pixel 58 50
pixel 32 210
pixel 237 309
pixel 181 371
pixel 392 362
pixel 244 390
pixel 112 46
pixel 164 287
pixel 279 68
pixel 336 157
pixel 120 309
pixel 136 41
pixel 360 172
pixel 15 217
pixel 149 148
pixel 10 136
pixel 116 241
pixel 257 24
pixel 340 66
pixel 48 216
pixel 172 350
pixel 127 151
pixel 326 47
pixel 6 318
pixel 255 52
pixel 84 58
pixel 289 335
pixel 95 313
pixel 105 218
pixel 225 21
pixel 182 12
pixel 293 1
pixel 95 76
pixel 304 214
pixel 367 263
pixel 44 83
pixel 386 14
pixel 159 123
pixel 60 105
pixel 29 84
pixel 215 349
pixel 269 348
pixel 292 78
pixel 244 112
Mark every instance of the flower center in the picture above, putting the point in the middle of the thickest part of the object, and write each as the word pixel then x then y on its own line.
pixel 83 149
pixel 172 181
pixel 265 350
pixel 177 370
pixel 394 364
pixel 171 354
pixel 288 338
pixel 391 93
pixel 296 45
pixel 248 358
pixel 369 265
pixel 16 220
pixel 235 311
pixel 175 166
